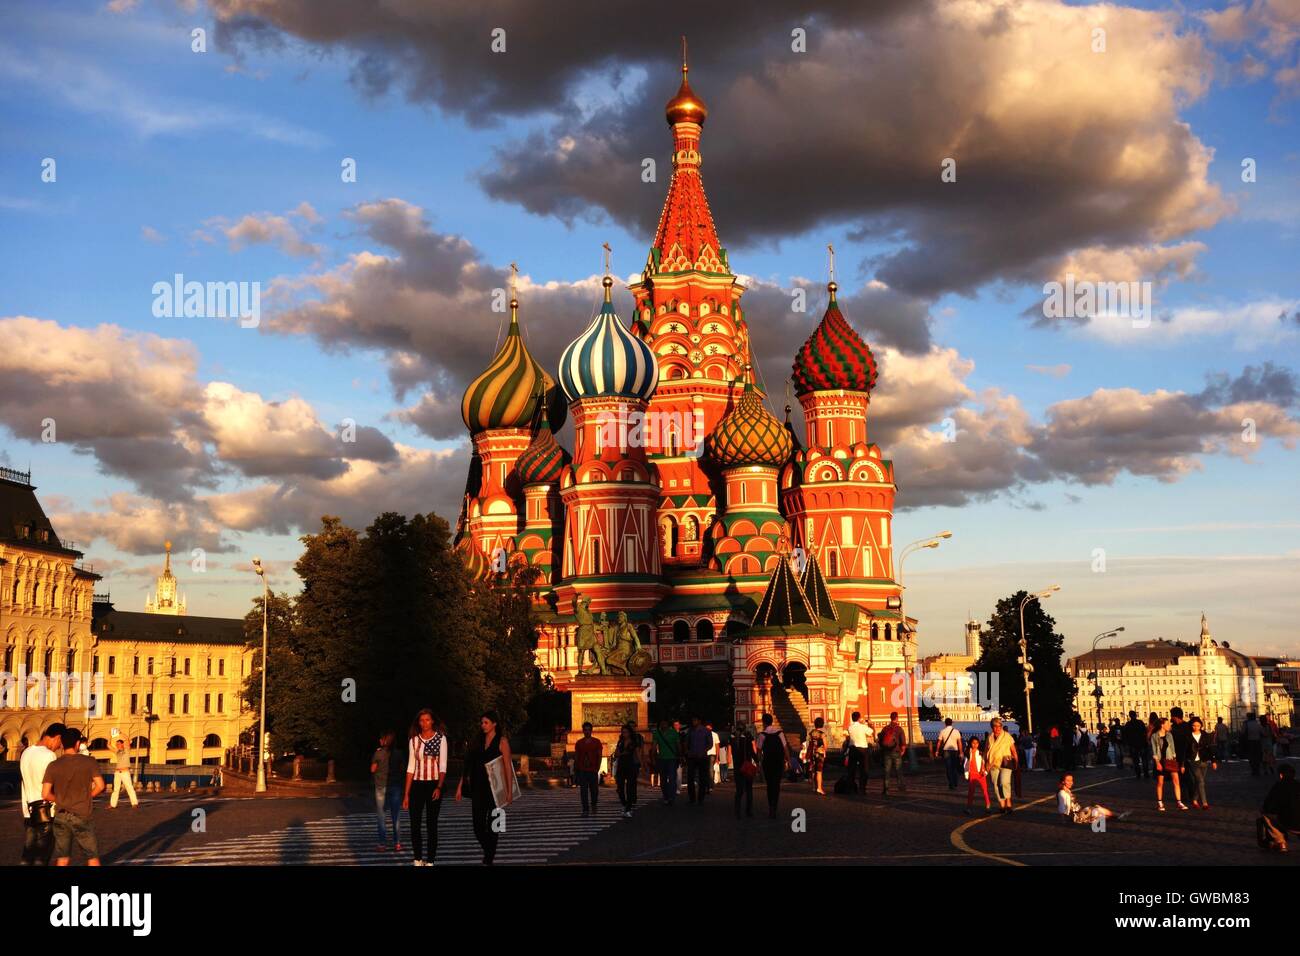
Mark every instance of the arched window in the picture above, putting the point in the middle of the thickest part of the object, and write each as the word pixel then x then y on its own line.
pixel 99 743
pixel 668 535
pixel 212 740
pixel 704 630
pixel 54 597
pixel 643 634
pixel 176 743
pixel 681 632
pixel 140 742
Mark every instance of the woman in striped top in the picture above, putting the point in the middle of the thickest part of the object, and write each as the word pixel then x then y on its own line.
pixel 426 768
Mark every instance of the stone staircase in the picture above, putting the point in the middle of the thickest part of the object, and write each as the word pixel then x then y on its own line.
pixel 790 709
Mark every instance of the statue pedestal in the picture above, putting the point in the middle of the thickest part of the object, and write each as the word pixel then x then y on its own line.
pixel 607 703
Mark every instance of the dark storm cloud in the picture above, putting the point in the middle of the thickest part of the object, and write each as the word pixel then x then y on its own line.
pixel 1058 148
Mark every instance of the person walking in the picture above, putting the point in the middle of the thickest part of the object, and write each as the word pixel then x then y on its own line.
pixel 893 745
pixel 1182 731
pixel 71 783
pixel 667 746
pixel 587 754
pixel 1279 817
pixel 486 746
pixel 1201 759
pixel 426 769
pixel 950 748
pixel 627 766
pixel 776 760
pixel 1134 735
pixel 976 774
pixel 1001 759
pixel 1164 758
pixel 744 764
pixel 38 833
pixel 817 754
pixel 1252 733
pixel 859 744
pixel 1222 741
pixel 699 765
pixel 122 777
pixel 724 754
pixel 715 774
pixel 388 775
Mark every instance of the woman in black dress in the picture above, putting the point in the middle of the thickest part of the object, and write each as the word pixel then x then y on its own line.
pixel 484 748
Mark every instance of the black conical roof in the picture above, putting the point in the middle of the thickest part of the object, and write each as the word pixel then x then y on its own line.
pixel 784 604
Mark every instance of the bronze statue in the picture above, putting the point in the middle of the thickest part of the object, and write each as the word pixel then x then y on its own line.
pixel 587 641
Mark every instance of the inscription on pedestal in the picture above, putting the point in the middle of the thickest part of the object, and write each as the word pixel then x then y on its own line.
pixel 601 714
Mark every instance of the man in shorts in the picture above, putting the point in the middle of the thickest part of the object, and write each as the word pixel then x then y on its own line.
pixel 72 782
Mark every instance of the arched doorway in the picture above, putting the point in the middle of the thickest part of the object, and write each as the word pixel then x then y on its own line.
pixel 764 675
pixel 794 678
pixel 681 632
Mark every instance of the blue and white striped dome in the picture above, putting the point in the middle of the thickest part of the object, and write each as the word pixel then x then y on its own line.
pixel 608 360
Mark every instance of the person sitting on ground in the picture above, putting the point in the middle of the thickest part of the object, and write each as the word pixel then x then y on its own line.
pixel 1068 806
pixel 1280 814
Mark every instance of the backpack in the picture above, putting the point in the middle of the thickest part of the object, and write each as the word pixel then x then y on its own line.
pixel 773 748
pixel 889 738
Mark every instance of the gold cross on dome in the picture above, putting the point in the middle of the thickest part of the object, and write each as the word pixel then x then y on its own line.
pixel 608 251
pixel 514 281
pixel 831 249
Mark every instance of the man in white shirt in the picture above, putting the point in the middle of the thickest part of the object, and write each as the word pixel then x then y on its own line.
pixel 950 750
pixel 860 737
pixel 37 831
pixel 714 752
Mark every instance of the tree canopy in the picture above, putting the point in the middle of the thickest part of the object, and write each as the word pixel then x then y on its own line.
pixel 1052 696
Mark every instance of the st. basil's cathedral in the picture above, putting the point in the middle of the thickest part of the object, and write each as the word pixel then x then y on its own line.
pixel 686 503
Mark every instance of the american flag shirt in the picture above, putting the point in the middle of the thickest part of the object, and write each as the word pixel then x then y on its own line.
pixel 427 758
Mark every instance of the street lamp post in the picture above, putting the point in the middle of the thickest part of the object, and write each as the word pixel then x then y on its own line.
pixel 909 650
pixel 1027 668
pixel 261 722
pixel 1096 674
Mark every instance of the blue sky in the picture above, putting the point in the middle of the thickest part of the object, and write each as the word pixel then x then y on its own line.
pixel 161 152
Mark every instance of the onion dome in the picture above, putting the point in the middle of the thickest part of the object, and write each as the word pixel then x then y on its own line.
pixel 511 390
pixel 834 356
pixel 608 360
pixel 544 459
pixel 686 106
pixel 476 563
pixel 750 435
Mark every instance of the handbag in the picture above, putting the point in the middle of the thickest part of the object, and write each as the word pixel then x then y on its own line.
pixel 749 769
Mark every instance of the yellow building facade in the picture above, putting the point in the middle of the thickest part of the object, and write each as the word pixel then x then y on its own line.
pixel 167 682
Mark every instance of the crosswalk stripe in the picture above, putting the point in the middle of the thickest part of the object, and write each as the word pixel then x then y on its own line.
pixel 539 827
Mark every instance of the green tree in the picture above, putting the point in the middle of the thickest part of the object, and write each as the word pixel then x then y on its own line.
pixel 1053 692
pixel 507 620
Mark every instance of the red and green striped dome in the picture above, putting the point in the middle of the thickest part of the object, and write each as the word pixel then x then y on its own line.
pixel 750 435
pixel 544 459
pixel 834 356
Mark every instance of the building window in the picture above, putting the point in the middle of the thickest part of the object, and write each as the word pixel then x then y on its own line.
pixel 112 665
pixel 221 667
pixel 681 632
pixel 94 666
pixel 221 703
pixel 833 563
pixel 108 704
pixel 185 703
pixel 135 666
pixel 149 671
pixel 209 667
pixel 135 703
pixel 148 703
pixel 171 703
pixel 207 703
pixel 71 661
pixel 187 667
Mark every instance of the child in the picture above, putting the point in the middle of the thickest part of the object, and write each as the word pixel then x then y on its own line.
pixel 976 774
pixel 1067 804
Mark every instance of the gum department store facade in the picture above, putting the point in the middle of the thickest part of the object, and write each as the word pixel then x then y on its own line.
pixel 685 502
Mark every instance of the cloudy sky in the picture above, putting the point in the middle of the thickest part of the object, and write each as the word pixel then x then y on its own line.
pixel 1147 467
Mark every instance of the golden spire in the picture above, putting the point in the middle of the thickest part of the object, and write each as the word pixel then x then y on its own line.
pixel 831 286
pixel 686 107
pixel 514 291
pixel 608 281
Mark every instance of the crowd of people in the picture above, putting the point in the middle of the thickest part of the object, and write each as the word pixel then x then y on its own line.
pixel 60 780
